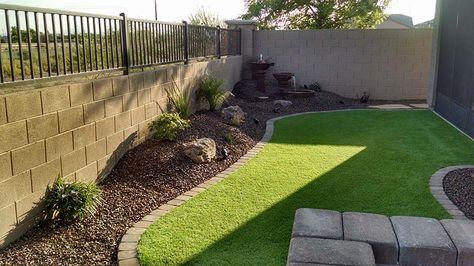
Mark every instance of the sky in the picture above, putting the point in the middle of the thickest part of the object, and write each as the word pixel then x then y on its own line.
pixel 178 10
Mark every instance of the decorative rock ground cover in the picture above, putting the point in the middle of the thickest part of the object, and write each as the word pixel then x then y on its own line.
pixel 421 241
pixel 458 185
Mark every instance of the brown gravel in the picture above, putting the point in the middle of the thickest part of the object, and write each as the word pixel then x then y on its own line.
pixel 459 187
pixel 152 174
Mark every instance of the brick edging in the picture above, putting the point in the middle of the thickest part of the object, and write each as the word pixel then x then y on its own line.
pixel 437 190
pixel 127 254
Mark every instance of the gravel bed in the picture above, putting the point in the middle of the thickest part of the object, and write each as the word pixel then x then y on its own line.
pixel 154 173
pixel 459 187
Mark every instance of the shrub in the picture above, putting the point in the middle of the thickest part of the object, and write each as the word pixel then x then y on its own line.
pixel 166 127
pixel 181 100
pixel 69 201
pixel 210 89
pixel 315 87
pixel 229 138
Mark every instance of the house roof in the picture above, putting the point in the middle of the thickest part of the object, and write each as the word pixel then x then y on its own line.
pixel 401 19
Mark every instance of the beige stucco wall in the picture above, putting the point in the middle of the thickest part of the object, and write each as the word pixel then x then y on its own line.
pixel 80 131
pixel 390 64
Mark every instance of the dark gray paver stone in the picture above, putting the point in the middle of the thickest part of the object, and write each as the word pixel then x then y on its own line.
pixel 374 229
pixel 317 223
pixel 423 241
pixel 462 235
pixel 329 252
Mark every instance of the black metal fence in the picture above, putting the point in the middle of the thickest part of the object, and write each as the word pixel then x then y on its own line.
pixel 42 43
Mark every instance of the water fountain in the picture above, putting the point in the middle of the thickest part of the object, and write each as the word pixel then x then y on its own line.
pixel 260 69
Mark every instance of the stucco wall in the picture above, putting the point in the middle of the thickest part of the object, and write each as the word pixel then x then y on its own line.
pixel 391 64
pixel 80 131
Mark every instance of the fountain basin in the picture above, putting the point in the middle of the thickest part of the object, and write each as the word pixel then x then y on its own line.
pixel 299 93
pixel 283 79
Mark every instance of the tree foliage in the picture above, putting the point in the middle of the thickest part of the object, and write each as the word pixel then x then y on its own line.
pixel 316 14
pixel 206 18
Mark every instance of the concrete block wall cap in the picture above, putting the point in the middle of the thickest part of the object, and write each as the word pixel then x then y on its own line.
pixel 462 234
pixel 329 252
pixel 241 22
pixel 317 223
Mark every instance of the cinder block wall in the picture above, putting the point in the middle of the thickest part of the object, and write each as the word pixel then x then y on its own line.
pixel 80 131
pixel 390 64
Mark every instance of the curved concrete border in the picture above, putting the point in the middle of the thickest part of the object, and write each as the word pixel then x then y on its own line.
pixel 436 188
pixel 127 251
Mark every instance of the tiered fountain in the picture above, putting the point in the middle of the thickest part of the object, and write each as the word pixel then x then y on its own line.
pixel 260 69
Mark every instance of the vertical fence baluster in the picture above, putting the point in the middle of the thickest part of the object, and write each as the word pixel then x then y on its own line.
pixel 117 44
pixel 106 44
pixel 218 39
pixel 78 55
pixel 100 44
pixel 96 53
pixel 10 50
pixel 111 44
pixel 71 59
pixel 20 49
pixel 46 34
pixel 28 37
pixel 185 43
pixel 55 45
pixel 91 64
pixel 38 43
pixel 132 42
pixel 83 43
pixel 62 43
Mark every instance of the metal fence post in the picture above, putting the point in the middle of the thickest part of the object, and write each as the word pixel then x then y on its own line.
pixel 218 42
pixel 186 40
pixel 126 52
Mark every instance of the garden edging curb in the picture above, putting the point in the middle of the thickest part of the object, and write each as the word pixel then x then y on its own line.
pixel 127 250
pixel 127 254
pixel 437 190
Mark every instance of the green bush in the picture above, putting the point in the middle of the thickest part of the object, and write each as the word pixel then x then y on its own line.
pixel 210 89
pixel 229 138
pixel 315 87
pixel 166 127
pixel 69 201
pixel 181 100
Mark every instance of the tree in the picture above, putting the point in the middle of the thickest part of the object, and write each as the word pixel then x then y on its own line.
pixel 206 18
pixel 316 14
pixel 14 35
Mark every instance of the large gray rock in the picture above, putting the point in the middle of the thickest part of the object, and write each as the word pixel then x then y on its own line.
pixel 374 229
pixel 329 252
pixel 201 150
pixel 423 241
pixel 317 223
pixel 234 115
pixel 282 103
pixel 462 234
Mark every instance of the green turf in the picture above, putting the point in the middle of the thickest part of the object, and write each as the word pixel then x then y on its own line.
pixel 367 161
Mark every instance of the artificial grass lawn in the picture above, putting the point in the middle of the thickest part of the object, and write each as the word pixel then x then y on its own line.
pixel 366 161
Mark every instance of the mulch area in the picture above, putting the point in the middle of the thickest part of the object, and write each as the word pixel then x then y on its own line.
pixel 152 174
pixel 459 187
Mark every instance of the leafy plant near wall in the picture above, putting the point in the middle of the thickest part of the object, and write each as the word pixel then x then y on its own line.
pixel 166 127
pixel 70 201
pixel 315 87
pixel 210 89
pixel 181 100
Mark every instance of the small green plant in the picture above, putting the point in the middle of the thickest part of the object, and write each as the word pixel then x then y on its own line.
pixel 315 87
pixel 229 138
pixel 210 89
pixel 181 100
pixel 70 201
pixel 166 127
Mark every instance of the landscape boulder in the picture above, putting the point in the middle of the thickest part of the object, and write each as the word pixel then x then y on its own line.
pixel 234 115
pixel 201 150
pixel 282 103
